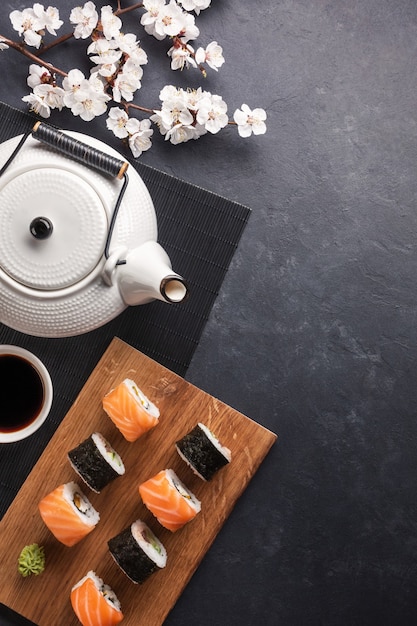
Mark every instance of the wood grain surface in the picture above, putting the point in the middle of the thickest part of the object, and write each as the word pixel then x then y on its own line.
pixel 45 598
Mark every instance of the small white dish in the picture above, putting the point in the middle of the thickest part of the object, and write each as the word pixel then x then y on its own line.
pixel 27 392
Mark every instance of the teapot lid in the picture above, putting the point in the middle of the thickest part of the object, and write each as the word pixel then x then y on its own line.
pixel 53 228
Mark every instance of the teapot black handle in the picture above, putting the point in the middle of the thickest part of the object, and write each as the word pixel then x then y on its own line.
pixel 79 150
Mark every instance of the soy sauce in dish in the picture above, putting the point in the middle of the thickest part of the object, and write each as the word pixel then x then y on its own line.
pixel 21 393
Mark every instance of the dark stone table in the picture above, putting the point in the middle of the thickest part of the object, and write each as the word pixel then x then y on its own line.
pixel 313 334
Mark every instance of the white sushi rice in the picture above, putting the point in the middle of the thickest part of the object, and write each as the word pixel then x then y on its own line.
pixel 84 509
pixel 188 495
pixel 106 591
pixel 149 543
pixel 140 397
pixel 108 453
pixel 216 443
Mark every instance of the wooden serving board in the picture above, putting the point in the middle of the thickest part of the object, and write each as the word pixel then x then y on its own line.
pixel 44 599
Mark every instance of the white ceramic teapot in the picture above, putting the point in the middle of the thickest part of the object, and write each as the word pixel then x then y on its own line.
pixel 78 236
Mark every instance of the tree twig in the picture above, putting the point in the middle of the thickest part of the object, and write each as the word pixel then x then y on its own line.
pixel 20 47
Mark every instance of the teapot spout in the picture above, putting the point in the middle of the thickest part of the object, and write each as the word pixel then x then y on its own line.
pixel 173 288
pixel 147 275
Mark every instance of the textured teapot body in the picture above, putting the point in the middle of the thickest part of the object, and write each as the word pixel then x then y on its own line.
pixel 51 288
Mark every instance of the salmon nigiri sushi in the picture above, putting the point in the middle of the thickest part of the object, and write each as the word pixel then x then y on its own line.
pixel 68 514
pixel 94 603
pixel 130 410
pixel 172 503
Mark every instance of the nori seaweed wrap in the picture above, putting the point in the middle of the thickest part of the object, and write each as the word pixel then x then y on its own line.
pixel 138 552
pixel 203 452
pixel 96 462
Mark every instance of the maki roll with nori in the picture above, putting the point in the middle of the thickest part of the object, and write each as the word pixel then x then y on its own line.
pixel 203 452
pixel 138 552
pixel 96 462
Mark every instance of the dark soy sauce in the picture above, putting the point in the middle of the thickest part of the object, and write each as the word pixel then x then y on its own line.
pixel 21 393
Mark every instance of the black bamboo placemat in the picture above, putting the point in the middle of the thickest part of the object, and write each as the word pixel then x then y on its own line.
pixel 200 232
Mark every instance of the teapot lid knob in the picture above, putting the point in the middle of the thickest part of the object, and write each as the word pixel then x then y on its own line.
pixel 41 227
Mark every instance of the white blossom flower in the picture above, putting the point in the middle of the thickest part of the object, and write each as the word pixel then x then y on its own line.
pixel 38 75
pixel 176 119
pixel 126 83
pixel 189 29
pixel 178 116
pixel 181 56
pixel 170 20
pixel 148 19
pixel 129 45
pixel 52 95
pixel 106 54
pixel 195 5
pixel 104 51
pixel 71 84
pixel 180 133
pixel 140 133
pixel 157 119
pixel 133 69
pixel 174 108
pixel 97 81
pixel 193 98
pixel 23 20
pixel 89 100
pixel 31 23
pixel 212 55
pixel 110 22
pixel 28 24
pixel 44 98
pixel 178 127
pixel 116 122
pixel 212 113
pixel 32 39
pixel 73 79
pixel 170 91
pixel 107 69
pixel 49 17
pixel 249 121
pixel 85 19
pixel 3 45
pixel 38 104
pixel 89 104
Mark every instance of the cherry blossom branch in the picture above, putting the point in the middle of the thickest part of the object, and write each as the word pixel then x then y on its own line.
pixel 44 48
pixel 118 57
pixel 137 107
pixel 119 11
pixel 20 47
pixel 131 105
